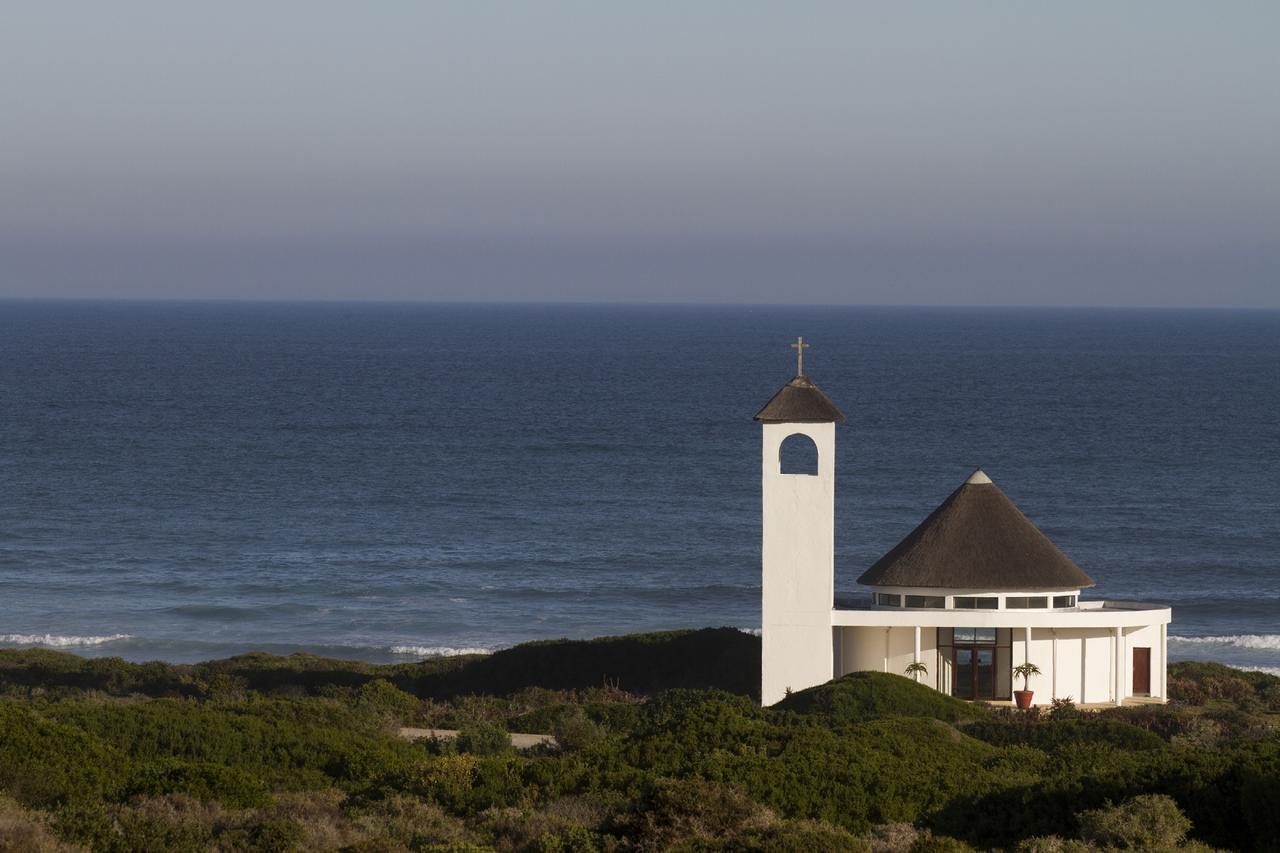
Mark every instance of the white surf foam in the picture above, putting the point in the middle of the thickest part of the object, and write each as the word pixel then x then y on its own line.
pixel 57 641
pixel 438 651
pixel 1269 670
pixel 1269 642
pixel 752 631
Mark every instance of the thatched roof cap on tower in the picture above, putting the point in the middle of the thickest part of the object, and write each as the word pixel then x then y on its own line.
pixel 799 401
pixel 977 539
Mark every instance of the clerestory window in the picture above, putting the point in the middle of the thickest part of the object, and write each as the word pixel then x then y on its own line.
pixel 971 602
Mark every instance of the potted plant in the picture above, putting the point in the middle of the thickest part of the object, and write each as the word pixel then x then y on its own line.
pixel 915 670
pixel 1023 696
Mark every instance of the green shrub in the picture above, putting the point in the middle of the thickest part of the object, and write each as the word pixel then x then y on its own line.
pixel 485 738
pixel 574 731
pixel 1147 822
pixel 230 786
pixel 863 696
pixel 44 763
pixel 383 696
pixel 1053 735
pixel 674 810
pixel 929 843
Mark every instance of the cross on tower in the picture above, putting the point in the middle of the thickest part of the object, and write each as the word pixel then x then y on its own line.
pixel 800 346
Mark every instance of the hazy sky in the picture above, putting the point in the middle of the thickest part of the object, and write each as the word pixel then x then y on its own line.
pixel 1017 153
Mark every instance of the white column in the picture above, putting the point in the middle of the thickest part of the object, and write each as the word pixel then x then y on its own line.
pixel 1026 645
pixel 1117 665
pixel 916 656
pixel 1164 661
pixel 886 648
pixel 1053 689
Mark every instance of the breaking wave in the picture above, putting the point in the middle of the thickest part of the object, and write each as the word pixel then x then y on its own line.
pixel 1267 642
pixel 57 641
pixel 1269 670
pixel 438 651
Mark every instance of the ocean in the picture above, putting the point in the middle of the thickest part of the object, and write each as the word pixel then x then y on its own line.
pixel 191 480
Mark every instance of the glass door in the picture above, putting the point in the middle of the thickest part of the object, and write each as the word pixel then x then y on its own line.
pixel 974 655
pixel 985 673
pixel 962 683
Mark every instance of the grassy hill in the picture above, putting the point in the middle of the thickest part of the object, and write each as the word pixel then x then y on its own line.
pixel 642 664
pixel 861 696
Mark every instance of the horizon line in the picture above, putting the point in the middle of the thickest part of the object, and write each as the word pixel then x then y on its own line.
pixel 584 303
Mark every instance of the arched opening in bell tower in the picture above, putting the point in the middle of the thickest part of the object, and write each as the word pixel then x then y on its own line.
pixel 798 454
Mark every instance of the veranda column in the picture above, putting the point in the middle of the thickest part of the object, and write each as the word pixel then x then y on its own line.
pixel 1164 661
pixel 1053 688
pixel 1117 666
pixel 916 657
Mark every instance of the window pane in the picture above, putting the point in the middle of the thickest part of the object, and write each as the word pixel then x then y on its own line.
pixel 1064 601
pixel 985 664
pixel 984 635
pixel 1038 602
pixel 963 682
pixel 1013 602
pixel 887 600
pixel 988 603
pixel 1022 602
pixel 925 601
pixel 964 635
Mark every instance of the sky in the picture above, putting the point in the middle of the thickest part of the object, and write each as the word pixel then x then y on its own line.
pixel 1084 153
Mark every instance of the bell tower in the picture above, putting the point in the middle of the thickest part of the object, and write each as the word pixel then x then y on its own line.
pixel 798 542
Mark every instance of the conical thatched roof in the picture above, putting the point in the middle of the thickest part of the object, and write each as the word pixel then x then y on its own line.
pixel 799 401
pixel 977 539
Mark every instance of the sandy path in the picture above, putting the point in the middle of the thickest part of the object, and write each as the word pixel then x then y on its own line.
pixel 518 739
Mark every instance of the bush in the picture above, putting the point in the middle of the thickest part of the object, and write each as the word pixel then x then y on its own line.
pixel 862 696
pixel 44 763
pixel 1054 844
pixel 574 731
pixel 202 780
pixel 1054 735
pixel 674 810
pixel 485 738
pixel 1063 708
pixel 26 831
pixel 1150 821
pixel 382 696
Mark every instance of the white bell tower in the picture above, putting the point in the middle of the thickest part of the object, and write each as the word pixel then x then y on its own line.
pixel 798 543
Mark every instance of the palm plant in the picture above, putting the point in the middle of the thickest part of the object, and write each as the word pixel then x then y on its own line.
pixel 915 669
pixel 1026 670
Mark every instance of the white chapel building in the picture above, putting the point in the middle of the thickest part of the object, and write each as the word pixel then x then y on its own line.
pixel 974 591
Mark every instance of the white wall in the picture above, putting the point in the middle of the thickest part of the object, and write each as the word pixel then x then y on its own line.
pixel 798 565
pixel 1082 669
pixel 1148 636
pixel 888 650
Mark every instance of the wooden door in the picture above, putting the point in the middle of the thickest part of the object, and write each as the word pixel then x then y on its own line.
pixel 1141 671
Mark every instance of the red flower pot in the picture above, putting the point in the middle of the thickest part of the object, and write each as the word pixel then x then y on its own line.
pixel 1023 698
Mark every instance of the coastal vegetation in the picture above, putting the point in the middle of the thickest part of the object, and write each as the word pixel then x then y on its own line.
pixel 660 744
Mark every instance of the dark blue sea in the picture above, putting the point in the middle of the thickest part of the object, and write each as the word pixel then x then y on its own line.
pixel 184 481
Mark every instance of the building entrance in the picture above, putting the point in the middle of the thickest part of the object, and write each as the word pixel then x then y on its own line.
pixel 974 663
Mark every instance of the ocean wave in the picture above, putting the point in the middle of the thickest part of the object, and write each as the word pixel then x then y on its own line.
pixel 753 631
pixel 1269 670
pixel 439 651
pixel 58 641
pixel 1269 642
